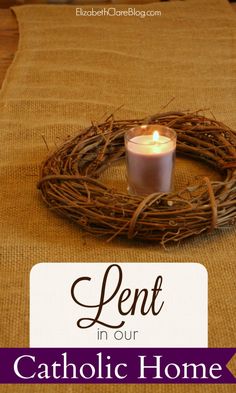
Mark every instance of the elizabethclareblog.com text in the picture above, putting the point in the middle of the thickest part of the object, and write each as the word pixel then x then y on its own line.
pixel 104 367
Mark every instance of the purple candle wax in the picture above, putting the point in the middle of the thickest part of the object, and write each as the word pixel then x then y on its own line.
pixel 150 159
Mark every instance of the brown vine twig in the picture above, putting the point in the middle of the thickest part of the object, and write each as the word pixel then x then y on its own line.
pixel 69 182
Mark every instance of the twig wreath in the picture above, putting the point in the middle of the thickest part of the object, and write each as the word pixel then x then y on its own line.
pixel 69 182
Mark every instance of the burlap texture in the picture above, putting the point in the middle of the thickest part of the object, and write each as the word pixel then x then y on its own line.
pixel 69 70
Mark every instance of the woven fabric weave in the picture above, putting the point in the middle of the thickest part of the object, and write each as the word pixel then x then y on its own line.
pixel 70 70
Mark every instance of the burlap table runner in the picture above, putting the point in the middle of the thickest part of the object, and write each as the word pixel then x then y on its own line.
pixel 70 70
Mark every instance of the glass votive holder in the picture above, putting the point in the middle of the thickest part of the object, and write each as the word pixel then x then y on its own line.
pixel 150 159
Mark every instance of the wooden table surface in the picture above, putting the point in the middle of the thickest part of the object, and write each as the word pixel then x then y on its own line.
pixel 9 39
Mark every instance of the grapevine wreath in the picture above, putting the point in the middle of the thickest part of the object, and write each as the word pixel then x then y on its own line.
pixel 69 182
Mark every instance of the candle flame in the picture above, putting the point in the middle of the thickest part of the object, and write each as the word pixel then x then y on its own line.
pixel 155 136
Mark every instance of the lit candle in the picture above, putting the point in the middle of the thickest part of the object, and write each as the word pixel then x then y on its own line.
pixel 150 157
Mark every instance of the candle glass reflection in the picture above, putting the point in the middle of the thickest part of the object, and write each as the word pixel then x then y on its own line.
pixel 150 159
